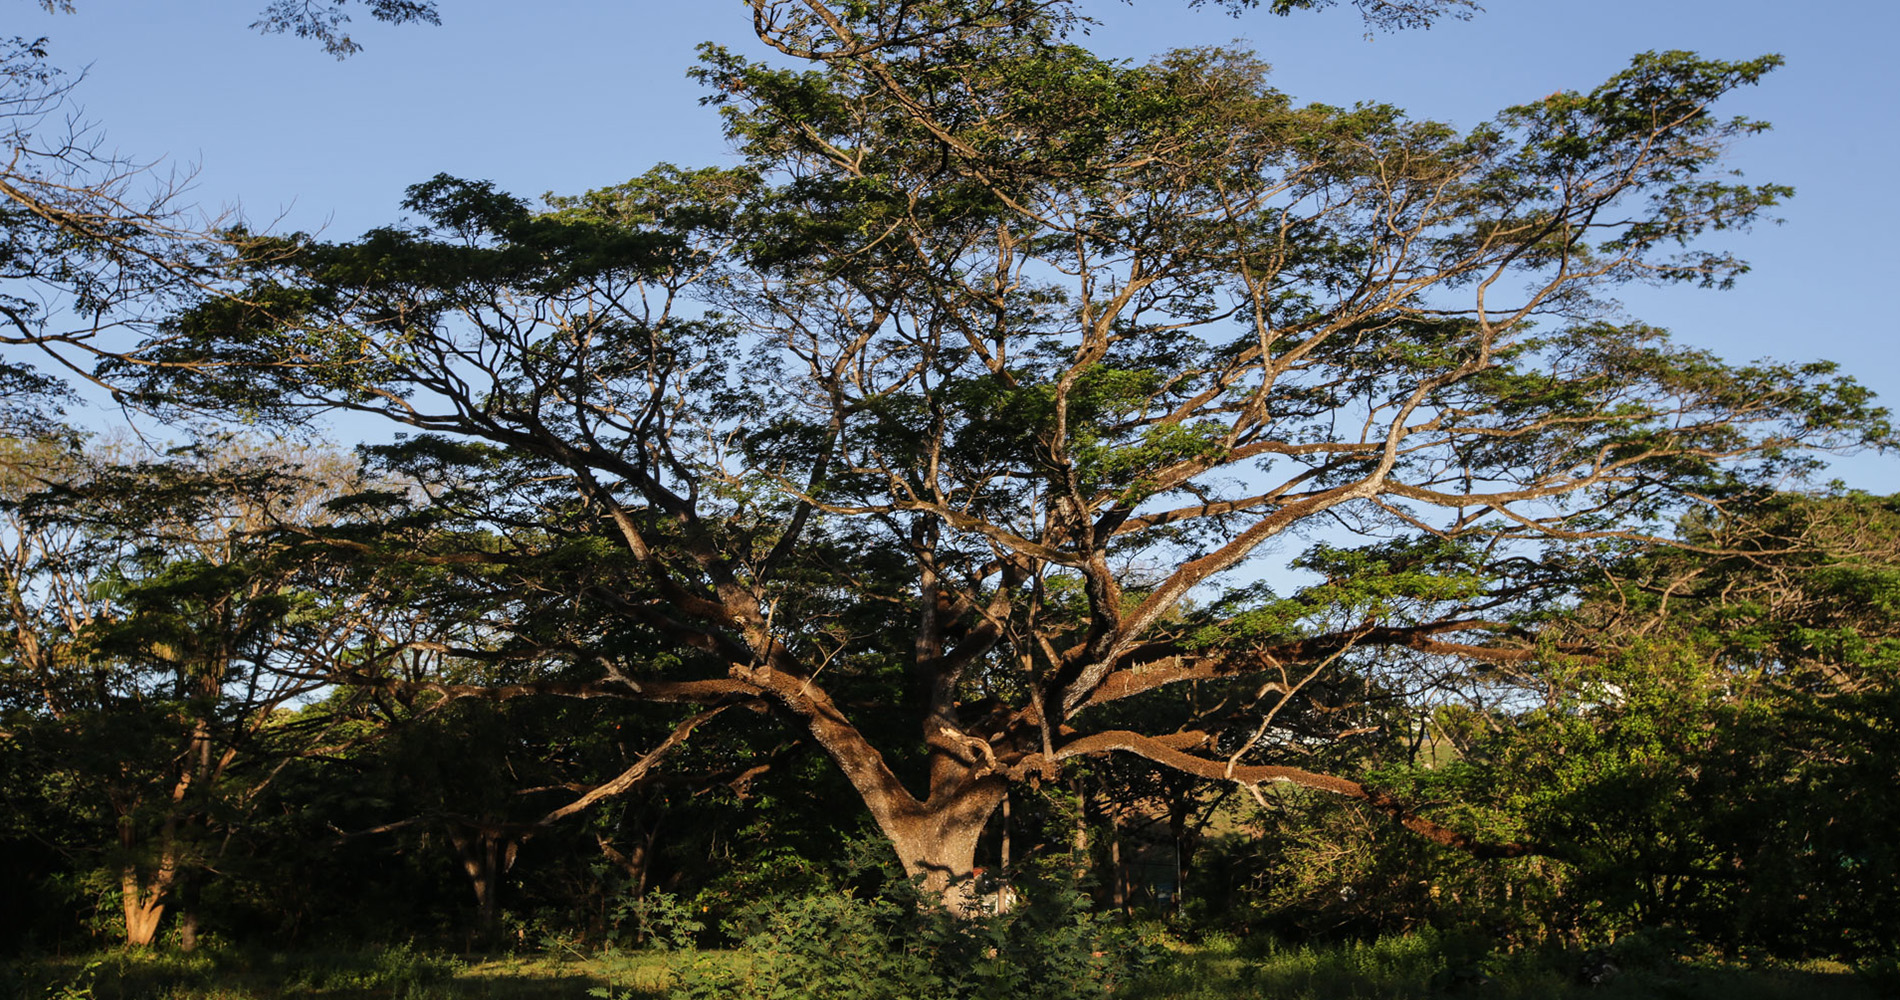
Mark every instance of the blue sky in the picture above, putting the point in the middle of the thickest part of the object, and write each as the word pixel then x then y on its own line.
pixel 563 95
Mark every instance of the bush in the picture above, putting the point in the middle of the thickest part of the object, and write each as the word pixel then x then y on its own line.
pixel 893 946
pixel 401 969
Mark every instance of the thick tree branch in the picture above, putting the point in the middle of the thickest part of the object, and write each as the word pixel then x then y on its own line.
pixel 1257 774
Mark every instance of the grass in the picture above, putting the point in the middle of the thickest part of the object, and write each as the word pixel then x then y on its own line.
pixel 1419 966
pixel 1422 967
pixel 396 973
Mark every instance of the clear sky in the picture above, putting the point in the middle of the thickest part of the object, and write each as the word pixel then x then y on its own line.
pixel 563 95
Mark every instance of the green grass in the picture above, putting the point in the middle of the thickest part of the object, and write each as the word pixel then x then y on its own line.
pixel 1419 966
pixel 1423 966
pixel 395 973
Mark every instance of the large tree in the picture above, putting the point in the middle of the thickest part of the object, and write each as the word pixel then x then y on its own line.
pixel 955 419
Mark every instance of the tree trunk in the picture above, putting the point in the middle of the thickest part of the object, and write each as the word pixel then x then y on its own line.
pixel 936 838
pixel 1079 846
pixel 636 861
pixel 1002 846
pixel 1185 842
pixel 189 886
pixel 936 842
pixel 144 907
pixel 144 897
pixel 487 852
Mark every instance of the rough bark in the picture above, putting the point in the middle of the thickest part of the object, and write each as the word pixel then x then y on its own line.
pixel 936 841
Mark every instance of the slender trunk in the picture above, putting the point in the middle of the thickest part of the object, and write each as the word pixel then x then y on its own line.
pixel 644 861
pixel 189 885
pixel 637 860
pixel 1185 841
pixel 1079 845
pixel 487 887
pixel 1002 848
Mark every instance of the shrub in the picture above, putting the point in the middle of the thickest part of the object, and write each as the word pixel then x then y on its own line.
pixel 892 946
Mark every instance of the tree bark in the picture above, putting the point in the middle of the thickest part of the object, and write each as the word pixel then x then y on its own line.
pixel 144 907
pixel 190 886
pixel 1002 846
pixel 145 897
pixel 1079 836
pixel 487 852
pixel 936 841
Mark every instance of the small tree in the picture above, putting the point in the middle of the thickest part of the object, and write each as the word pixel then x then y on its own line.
pixel 154 629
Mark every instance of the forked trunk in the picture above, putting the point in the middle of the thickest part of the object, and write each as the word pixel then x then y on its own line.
pixel 144 908
pixel 936 842
pixel 935 838
pixel 145 895
pixel 487 852
pixel 637 860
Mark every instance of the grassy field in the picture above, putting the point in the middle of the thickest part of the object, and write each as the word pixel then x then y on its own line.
pixel 1218 970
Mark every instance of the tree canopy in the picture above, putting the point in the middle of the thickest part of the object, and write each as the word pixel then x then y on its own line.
pixel 972 392
pixel 1005 420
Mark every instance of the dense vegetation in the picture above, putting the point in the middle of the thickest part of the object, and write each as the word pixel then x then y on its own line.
pixel 841 574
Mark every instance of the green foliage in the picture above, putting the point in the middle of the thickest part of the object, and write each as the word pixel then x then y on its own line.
pixel 80 987
pixel 837 946
pixel 659 920
pixel 323 22
pixel 1389 968
pixel 1387 14
pixel 1658 793
pixel 982 319
pixel 402 969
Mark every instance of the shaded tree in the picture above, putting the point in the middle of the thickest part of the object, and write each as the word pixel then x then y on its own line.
pixel 155 630
pixel 1709 764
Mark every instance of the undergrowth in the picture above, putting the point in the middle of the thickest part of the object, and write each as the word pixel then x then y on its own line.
pixel 841 948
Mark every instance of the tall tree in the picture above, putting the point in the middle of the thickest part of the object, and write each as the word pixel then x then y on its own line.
pixel 970 397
